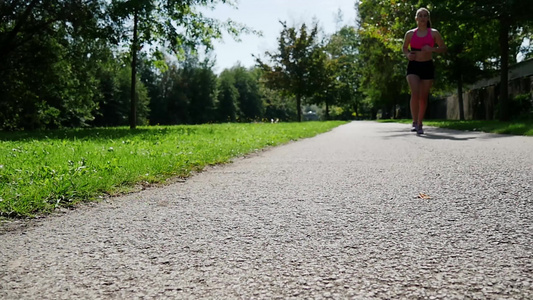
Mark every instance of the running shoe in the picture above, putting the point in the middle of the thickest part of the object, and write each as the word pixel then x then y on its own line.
pixel 413 128
pixel 419 129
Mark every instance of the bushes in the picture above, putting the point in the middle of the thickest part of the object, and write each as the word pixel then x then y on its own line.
pixel 520 106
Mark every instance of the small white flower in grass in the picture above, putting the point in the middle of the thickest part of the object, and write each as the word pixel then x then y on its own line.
pixel 110 149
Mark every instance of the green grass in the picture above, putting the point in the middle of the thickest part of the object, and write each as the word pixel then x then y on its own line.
pixel 513 127
pixel 40 171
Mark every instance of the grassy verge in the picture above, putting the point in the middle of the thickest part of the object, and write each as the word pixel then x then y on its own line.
pixel 41 171
pixel 513 127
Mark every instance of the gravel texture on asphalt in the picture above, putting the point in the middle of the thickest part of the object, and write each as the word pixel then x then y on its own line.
pixel 366 211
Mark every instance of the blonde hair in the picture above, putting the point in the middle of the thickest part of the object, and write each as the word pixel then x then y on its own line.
pixel 426 10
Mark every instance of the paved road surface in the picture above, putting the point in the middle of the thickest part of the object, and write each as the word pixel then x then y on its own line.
pixel 335 216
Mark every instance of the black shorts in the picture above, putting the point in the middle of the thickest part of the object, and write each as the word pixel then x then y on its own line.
pixel 424 69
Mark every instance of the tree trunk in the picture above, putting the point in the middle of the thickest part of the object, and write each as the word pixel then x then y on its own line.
pixel 355 109
pixel 327 110
pixel 460 97
pixel 299 107
pixel 504 58
pixel 133 94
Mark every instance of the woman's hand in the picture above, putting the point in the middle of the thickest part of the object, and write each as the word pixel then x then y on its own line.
pixel 411 55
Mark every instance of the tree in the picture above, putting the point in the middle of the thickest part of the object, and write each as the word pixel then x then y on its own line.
pixel 382 66
pixel 174 107
pixel 174 24
pixel 343 64
pixel 511 15
pixel 249 101
pixel 23 21
pixel 325 84
pixel 182 92
pixel 227 97
pixel 201 91
pixel 49 54
pixel 292 64
pixel 115 85
pixel 278 106
pixel 471 52
pixel 471 40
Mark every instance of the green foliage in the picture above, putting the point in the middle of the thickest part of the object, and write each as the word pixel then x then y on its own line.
pixel 324 78
pixel 249 100
pixel 40 171
pixel 382 65
pixel 503 23
pixel 520 106
pixel 169 102
pixel 177 24
pixel 193 93
pixel 278 107
pixel 180 27
pixel 227 97
pixel 292 66
pixel 55 57
pixel 114 100
pixel 201 92
pixel 49 88
pixel 340 80
pixel 190 93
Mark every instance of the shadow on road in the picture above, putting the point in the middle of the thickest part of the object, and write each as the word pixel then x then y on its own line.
pixel 434 133
pixel 458 135
pixel 433 136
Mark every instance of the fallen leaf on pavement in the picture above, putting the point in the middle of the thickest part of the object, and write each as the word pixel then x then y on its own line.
pixel 423 196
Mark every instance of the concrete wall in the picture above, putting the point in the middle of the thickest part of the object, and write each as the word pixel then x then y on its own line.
pixel 481 100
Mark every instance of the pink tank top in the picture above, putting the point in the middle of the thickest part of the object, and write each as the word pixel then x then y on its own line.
pixel 418 42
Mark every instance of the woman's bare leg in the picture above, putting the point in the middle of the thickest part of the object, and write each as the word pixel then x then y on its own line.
pixel 414 85
pixel 424 87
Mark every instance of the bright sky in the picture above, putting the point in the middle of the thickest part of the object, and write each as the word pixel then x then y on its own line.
pixel 264 16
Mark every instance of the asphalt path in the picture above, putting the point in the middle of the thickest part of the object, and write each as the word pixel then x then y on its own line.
pixel 365 211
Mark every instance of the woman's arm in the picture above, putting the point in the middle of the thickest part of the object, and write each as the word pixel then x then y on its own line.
pixel 405 49
pixel 441 47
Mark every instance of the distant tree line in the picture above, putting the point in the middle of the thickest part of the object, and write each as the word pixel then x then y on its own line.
pixel 117 63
